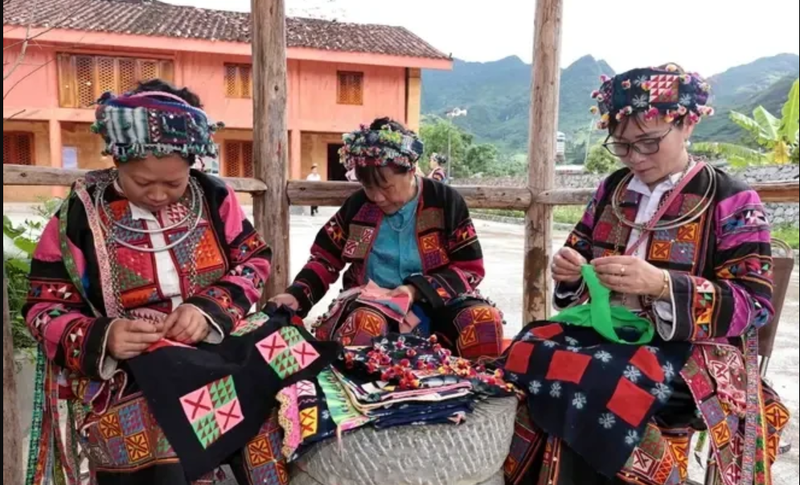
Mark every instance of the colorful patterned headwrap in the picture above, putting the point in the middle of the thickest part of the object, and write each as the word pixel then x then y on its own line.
pixel 655 92
pixel 153 123
pixel 380 148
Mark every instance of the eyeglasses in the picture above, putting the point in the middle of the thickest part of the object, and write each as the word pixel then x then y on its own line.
pixel 647 146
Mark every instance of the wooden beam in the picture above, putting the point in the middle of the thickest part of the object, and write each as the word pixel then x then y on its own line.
pixel 333 194
pixel 12 440
pixel 58 177
pixel 780 192
pixel 542 156
pixel 270 134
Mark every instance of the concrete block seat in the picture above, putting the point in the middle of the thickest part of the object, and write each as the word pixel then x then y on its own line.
pixel 470 454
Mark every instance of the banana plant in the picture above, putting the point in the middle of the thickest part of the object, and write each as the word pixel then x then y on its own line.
pixel 777 137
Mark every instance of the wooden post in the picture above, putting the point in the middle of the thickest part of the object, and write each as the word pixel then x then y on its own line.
pixel 542 155
pixel 12 442
pixel 270 134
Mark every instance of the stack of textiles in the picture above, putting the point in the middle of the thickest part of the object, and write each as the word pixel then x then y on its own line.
pixel 401 380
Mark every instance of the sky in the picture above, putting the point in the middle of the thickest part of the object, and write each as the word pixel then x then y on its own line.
pixel 708 36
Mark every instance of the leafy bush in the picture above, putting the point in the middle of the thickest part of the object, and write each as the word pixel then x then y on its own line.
pixel 601 162
pixel 17 267
pixel 788 234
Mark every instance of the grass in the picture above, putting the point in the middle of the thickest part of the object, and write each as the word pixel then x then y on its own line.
pixel 788 234
pixel 570 215
pixel 561 215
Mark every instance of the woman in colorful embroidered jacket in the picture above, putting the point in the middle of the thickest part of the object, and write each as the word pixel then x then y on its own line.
pixel 688 247
pixel 145 251
pixel 408 235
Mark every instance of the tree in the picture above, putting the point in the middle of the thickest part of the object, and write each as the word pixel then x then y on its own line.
pixel 481 159
pixel 576 152
pixel 443 137
pixel 600 161
pixel 777 138
pixel 796 155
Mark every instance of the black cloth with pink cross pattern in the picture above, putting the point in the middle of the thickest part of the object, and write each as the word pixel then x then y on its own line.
pixel 211 400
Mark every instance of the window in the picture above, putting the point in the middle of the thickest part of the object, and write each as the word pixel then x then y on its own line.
pixel 84 78
pixel 18 148
pixel 351 88
pixel 239 159
pixel 238 81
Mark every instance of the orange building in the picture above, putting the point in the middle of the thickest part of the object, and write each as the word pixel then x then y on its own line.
pixel 339 75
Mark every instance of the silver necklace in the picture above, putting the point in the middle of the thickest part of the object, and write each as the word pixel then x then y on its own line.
pixel 192 221
pixel 192 209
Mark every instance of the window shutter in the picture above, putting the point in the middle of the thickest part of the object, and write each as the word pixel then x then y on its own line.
pixel 351 88
pixel 85 79
pixel 18 148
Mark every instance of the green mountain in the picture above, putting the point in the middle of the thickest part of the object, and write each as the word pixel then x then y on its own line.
pixel 497 96
pixel 765 82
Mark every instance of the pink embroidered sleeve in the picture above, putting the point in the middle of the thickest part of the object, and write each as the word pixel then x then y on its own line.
pixel 57 315
pixel 739 296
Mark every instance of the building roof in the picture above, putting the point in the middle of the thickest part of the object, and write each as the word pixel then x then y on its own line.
pixel 154 18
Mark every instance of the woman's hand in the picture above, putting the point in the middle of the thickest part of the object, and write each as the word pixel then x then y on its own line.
pixel 567 265
pixel 629 275
pixel 187 325
pixel 287 300
pixel 130 338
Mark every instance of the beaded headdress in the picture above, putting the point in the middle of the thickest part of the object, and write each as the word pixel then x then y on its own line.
pixel 380 148
pixel 655 92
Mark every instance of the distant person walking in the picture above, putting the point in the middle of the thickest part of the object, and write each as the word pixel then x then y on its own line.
pixel 314 177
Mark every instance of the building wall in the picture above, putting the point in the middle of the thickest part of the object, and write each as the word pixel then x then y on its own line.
pixel 89 146
pixel 414 100
pixel 34 84
pixel 313 111
pixel 315 102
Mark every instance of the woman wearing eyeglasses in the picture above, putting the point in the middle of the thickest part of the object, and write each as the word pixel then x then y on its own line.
pixel 685 246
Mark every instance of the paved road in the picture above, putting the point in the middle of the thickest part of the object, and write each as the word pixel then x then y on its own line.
pixel 503 248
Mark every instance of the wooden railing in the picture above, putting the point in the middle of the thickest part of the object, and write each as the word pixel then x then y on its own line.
pixel 333 194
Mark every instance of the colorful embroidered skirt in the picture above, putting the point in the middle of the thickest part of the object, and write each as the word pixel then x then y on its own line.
pixel 127 447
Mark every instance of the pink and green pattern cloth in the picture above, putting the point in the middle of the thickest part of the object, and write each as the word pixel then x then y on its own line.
pixel 211 400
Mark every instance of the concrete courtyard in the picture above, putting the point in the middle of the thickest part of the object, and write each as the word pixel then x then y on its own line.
pixel 503 252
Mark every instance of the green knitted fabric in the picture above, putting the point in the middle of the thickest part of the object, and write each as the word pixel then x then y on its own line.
pixel 604 318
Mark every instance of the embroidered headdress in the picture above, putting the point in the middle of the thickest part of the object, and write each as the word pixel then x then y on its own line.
pixel 380 148
pixel 665 92
pixel 153 123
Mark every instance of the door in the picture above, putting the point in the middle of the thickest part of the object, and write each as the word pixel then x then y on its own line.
pixel 336 171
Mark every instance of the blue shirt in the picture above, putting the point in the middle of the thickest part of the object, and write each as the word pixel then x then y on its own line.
pixel 395 254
